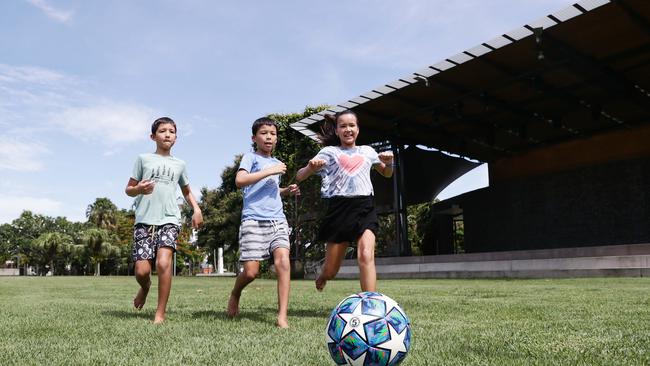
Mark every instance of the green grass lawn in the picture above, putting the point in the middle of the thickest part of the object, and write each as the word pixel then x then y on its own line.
pixel 86 320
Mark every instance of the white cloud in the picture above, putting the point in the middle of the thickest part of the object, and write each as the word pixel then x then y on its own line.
pixel 52 100
pixel 21 155
pixel 421 32
pixel 109 123
pixel 61 16
pixel 12 206
pixel 29 94
pixel 30 74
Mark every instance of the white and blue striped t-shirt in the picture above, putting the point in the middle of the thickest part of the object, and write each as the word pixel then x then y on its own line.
pixel 346 172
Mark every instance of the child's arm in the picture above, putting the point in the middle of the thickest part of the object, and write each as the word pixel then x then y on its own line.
pixel 312 167
pixel 385 167
pixel 290 190
pixel 134 187
pixel 244 178
pixel 197 216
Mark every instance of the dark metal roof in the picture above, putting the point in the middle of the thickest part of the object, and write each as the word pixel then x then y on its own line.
pixel 578 72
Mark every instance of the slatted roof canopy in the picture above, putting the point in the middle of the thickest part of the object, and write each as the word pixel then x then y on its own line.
pixel 575 73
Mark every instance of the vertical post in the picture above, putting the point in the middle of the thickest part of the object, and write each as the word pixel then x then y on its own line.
pixel 296 232
pixel 401 220
pixel 396 199
pixel 220 261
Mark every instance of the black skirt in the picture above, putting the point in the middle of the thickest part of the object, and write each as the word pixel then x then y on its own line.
pixel 347 218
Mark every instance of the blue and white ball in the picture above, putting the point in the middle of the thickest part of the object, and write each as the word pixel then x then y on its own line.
pixel 368 328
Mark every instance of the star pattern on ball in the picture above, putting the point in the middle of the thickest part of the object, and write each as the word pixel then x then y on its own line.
pixel 395 343
pixel 355 320
pixel 390 303
pixel 359 361
pixel 368 328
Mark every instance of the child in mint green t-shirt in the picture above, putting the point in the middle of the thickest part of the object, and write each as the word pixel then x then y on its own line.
pixel 157 215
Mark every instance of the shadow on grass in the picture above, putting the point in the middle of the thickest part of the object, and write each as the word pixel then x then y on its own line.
pixel 260 314
pixel 256 316
pixel 129 314
pixel 303 313
pixel 310 313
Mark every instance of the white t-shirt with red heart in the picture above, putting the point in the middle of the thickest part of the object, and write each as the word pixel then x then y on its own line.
pixel 346 172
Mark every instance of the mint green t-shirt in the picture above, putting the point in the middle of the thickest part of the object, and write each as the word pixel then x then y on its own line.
pixel 159 207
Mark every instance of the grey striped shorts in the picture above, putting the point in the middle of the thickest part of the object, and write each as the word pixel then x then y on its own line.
pixel 258 239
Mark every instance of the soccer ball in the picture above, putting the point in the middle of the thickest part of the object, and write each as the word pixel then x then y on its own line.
pixel 368 328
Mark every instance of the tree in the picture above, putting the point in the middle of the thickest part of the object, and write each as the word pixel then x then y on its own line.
pixel 28 227
pixel 102 213
pixel 7 242
pixel 125 219
pixel 187 252
pixel 222 212
pixel 99 247
pixel 53 246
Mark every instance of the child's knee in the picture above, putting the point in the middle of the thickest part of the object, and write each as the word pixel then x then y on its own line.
pixel 142 273
pixel 328 273
pixel 249 274
pixel 366 256
pixel 163 266
pixel 282 264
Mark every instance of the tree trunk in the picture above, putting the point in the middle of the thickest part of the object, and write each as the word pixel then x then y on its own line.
pixel 97 272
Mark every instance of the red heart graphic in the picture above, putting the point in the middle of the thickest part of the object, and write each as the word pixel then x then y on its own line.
pixel 350 163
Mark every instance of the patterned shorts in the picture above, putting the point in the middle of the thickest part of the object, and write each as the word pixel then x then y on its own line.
pixel 258 239
pixel 147 239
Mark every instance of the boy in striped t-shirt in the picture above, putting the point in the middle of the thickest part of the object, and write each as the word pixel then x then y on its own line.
pixel 264 230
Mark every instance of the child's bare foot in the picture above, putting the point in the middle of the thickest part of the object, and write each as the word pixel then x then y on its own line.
pixel 159 319
pixel 233 306
pixel 141 297
pixel 282 323
pixel 320 283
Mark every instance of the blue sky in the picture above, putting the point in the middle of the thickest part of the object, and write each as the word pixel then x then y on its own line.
pixel 81 81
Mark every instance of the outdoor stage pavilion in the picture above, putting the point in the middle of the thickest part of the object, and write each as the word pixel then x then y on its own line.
pixel 559 109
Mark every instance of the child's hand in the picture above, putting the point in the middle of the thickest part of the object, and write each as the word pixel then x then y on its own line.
pixel 278 169
pixel 197 219
pixel 316 164
pixel 146 186
pixel 293 190
pixel 386 157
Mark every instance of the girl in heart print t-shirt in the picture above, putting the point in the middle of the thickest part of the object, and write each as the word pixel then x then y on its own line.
pixel 346 172
pixel 346 187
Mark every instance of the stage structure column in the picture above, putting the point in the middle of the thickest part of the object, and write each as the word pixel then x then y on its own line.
pixel 399 202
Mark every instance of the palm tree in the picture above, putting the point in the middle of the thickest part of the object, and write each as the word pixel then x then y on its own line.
pixel 53 246
pixel 99 245
pixel 102 213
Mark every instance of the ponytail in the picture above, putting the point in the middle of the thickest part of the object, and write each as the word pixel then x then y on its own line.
pixel 328 136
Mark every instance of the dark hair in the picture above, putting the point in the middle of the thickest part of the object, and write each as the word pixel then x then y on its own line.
pixel 162 121
pixel 264 121
pixel 328 136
